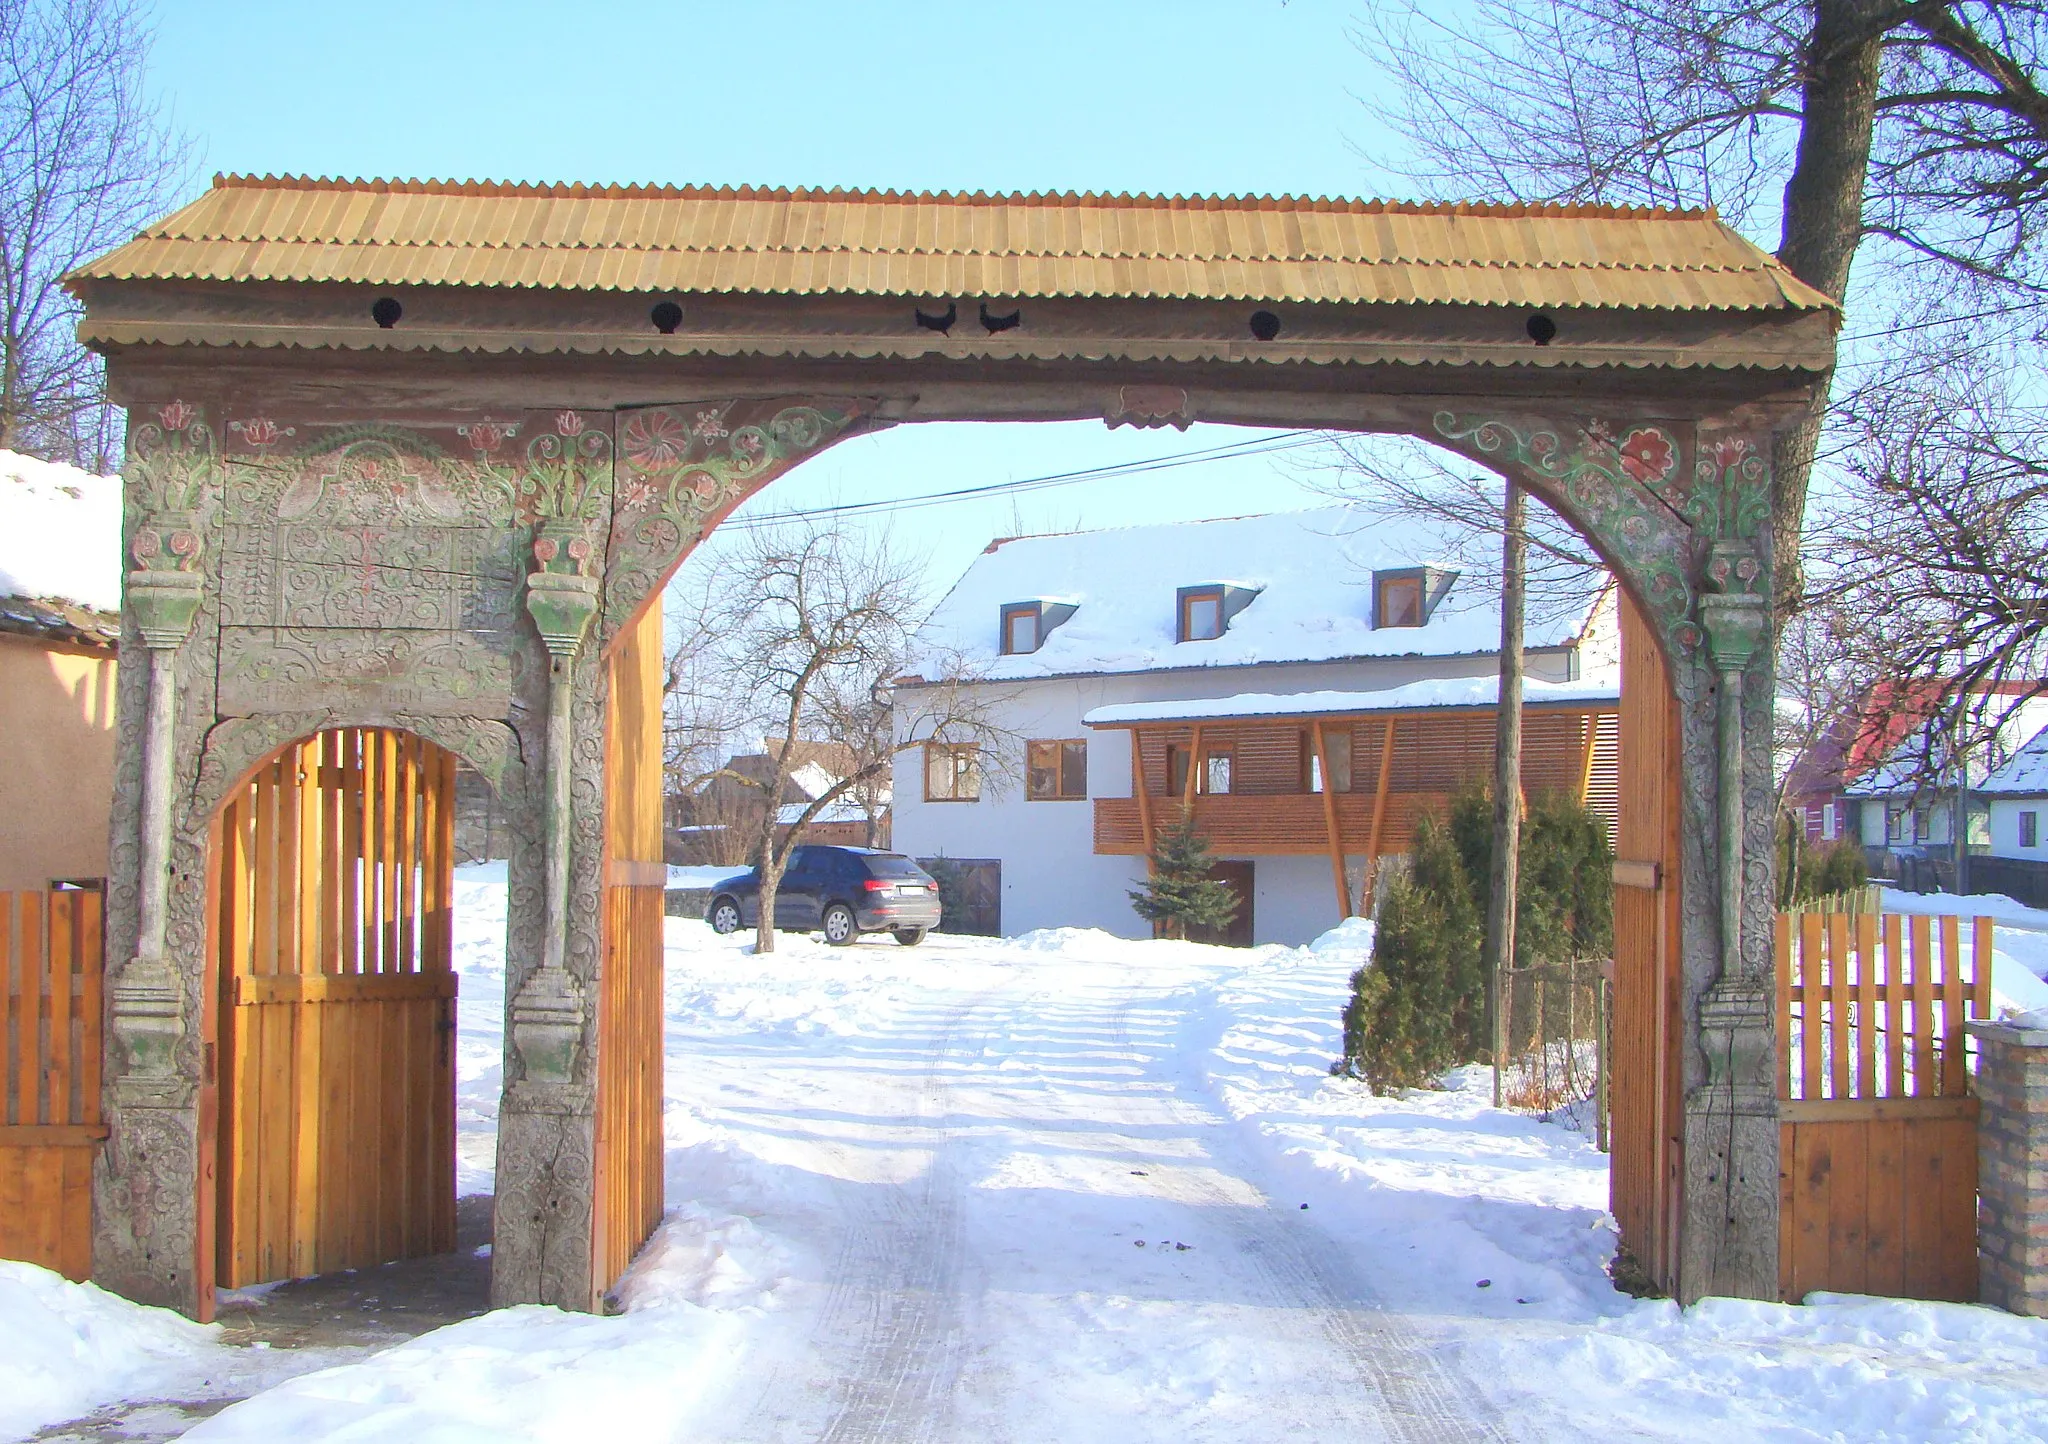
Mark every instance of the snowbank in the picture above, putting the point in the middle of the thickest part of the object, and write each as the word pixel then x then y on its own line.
pixel 66 1349
pixel 60 533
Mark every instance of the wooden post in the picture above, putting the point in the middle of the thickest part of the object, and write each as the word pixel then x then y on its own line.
pixel 1507 772
pixel 1144 794
pixel 1187 798
pixel 1586 757
pixel 1379 815
pixel 1330 822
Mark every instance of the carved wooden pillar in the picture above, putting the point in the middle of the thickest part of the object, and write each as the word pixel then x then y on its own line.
pixel 1681 512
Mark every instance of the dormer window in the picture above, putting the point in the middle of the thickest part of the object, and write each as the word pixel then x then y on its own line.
pixel 1020 629
pixel 1205 611
pixel 1405 598
pixel 1201 614
pixel 1024 626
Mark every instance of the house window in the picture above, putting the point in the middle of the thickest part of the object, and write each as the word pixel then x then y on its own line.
pixel 1056 771
pixel 1338 746
pixel 1201 614
pixel 1827 822
pixel 952 772
pixel 1399 603
pixel 1020 629
pixel 2030 829
pixel 1919 824
pixel 1213 777
pixel 1894 824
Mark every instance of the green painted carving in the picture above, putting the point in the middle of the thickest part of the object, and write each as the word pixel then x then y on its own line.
pixel 171 461
pixel 682 468
pixel 568 476
pixel 1617 488
pixel 372 475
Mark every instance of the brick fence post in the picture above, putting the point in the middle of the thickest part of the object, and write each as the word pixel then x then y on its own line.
pixel 2012 1165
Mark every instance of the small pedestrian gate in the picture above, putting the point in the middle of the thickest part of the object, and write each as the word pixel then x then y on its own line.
pixel 50 976
pixel 1877 1127
pixel 333 947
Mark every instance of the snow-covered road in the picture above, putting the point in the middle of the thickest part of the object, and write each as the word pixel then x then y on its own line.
pixel 1033 1226
pixel 1052 1188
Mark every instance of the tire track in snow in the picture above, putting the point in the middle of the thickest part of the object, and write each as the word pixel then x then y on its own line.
pixel 1416 1399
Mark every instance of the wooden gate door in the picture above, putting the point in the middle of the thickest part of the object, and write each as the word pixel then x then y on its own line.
pixel 333 949
pixel 50 971
pixel 1646 1130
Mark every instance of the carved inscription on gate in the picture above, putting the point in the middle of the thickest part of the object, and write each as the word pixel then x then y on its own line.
pixel 460 674
pixel 442 578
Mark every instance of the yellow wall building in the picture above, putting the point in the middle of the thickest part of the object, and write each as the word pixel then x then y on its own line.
pixel 57 736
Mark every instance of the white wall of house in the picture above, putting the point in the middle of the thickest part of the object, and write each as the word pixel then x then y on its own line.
pixel 1052 876
pixel 2006 832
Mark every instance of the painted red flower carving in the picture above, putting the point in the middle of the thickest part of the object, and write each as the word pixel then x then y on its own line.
pixel 177 416
pixel 655 440
pixel 1646 454
pixel 569 424
pixel 709 424
pixel 257 431
pixel 485 436
pixel 1729 451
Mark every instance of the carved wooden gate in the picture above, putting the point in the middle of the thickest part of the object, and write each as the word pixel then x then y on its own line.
pixel 333 870
pixel 1647 1125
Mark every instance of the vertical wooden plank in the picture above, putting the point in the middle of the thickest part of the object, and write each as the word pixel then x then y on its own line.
pixel 1955 1071
pixel 1812 1165
pixel 1885 1207
pixel 305 1101
pixel 339 1156
pixel 1920 959
pixel 288 796
pixel 1336 838
pixel 408 852
pixel 1840 1046
pixel 1867 1086
pixel 1379 812
pixel 263 891
pixel 1781 941
pixel 1848 1208
pixel 310 874
pixel 1980 967
pixel 59 964
pixel 1810 1016
pixel 433 901
pixel 1923 1181
pixel 276 1094
pixel 352 810
pixel 9 954
pixel 28 1027
pixel 93 962
pixel 391 785
pixel 75 1210
pixel 241 1069
pixel 1894 1007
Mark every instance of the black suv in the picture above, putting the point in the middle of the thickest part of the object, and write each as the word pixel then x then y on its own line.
pixel 844 891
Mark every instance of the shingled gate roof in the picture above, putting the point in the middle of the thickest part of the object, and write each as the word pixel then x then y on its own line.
pixel 658 239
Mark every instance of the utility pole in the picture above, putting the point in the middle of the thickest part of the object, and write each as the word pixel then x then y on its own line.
pixel 1507 778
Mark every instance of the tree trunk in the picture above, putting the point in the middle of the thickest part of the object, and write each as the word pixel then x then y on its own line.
pixel 771 882
pixel 1507 777
pixel 1822 225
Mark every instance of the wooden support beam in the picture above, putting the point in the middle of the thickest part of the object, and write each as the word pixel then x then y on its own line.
pixel 1586 757
pixel 1187 796
pixel 1379 813
pixel 1330 821
pixel 1144 794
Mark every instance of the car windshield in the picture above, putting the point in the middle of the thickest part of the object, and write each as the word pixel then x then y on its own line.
pixel 892 864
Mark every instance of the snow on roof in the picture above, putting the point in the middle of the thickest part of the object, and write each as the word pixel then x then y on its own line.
pixel 813 781
pixel 1921 758
pixel 1312 571
pixel 60 533
pixel 1454 692
pixel 2025 773
pixel 844 809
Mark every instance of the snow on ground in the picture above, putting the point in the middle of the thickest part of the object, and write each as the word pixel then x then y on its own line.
pixel 1071 1187
pixel 2019 947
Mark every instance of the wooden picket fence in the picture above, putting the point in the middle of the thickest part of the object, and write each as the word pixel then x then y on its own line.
pixel 1877 1125
pixel 51 968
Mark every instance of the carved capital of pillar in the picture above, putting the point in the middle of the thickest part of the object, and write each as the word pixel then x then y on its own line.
pixel 561 596
pixel 1733 614
pixel 147 1009
pixel 547 1025
pixel 164 590
pixel 1735 1035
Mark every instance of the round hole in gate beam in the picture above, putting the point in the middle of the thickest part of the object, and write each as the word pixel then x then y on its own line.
pixel 666 316
pixel 385 311
pixel 1542 330
pixel 1265 325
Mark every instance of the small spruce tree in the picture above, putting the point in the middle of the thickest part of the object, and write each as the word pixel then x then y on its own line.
pixel 1181 894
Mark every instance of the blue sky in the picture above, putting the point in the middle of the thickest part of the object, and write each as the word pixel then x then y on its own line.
pixel 1193 96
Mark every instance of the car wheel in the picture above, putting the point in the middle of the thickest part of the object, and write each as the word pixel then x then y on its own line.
pixel 840 927
pixel 910 937
pixel 725 916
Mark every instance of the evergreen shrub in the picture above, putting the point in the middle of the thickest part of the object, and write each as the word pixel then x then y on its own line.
pixel 1180 894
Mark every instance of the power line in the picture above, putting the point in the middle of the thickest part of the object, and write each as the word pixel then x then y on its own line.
pixel 1264 445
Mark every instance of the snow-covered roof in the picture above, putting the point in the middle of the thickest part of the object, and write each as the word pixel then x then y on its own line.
pixel 843 809
pixel 1920 758
pixel 2025 773
pixel 1416 696
pixel 1312 571
pixel 60 533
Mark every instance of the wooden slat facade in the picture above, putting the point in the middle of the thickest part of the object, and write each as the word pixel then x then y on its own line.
pixel 1877 1125
pixel 629 1182
pixel 1270 811
pixel 332 940
pixel 51 974
pixel 1646 1126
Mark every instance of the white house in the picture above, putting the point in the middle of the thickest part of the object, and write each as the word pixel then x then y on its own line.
pixel 2016 801
pixel 1233 667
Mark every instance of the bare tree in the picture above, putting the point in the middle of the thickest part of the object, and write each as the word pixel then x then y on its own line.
pixel 85 158
pixel 810 629
pixel 1918 122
